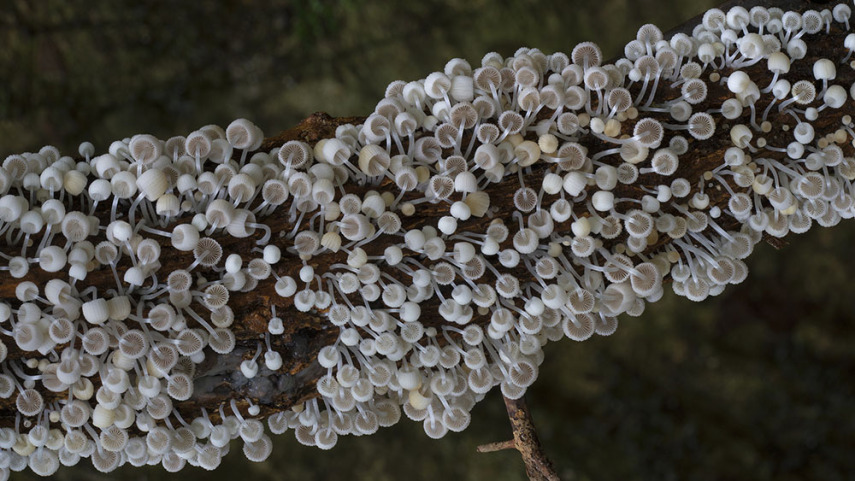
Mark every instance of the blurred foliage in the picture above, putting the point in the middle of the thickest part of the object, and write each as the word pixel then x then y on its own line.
pixel 756 384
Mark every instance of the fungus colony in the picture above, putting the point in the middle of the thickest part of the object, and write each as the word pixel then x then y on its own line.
pixel 474 216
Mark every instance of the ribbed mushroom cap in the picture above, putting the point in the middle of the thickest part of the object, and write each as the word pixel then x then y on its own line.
pixel 325 438
pixel 222 341
pixel 105 461
pixel 44 462
pixel 180 386
pixel 209 457
pixel 278 423
pixel 434 427
pixel 172 462
pixel 113 439
pixel 29 402
pixel 159 440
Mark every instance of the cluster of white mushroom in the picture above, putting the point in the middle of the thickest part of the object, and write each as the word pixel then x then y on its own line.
pixel 430 318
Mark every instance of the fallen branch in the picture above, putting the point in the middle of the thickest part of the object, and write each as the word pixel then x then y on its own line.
pixel 417 257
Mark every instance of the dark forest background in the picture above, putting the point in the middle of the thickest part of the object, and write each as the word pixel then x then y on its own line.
pixel 756 384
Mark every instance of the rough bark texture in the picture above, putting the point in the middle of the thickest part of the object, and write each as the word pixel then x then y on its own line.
pixel 306 333
pixel 537 466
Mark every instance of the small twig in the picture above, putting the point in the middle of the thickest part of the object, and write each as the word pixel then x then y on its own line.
pixel 497 446
pixel 537 466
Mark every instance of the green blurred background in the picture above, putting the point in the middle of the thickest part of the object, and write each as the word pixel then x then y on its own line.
pixel 756 384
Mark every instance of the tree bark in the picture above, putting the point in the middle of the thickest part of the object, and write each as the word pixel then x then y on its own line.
pixel 537 466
